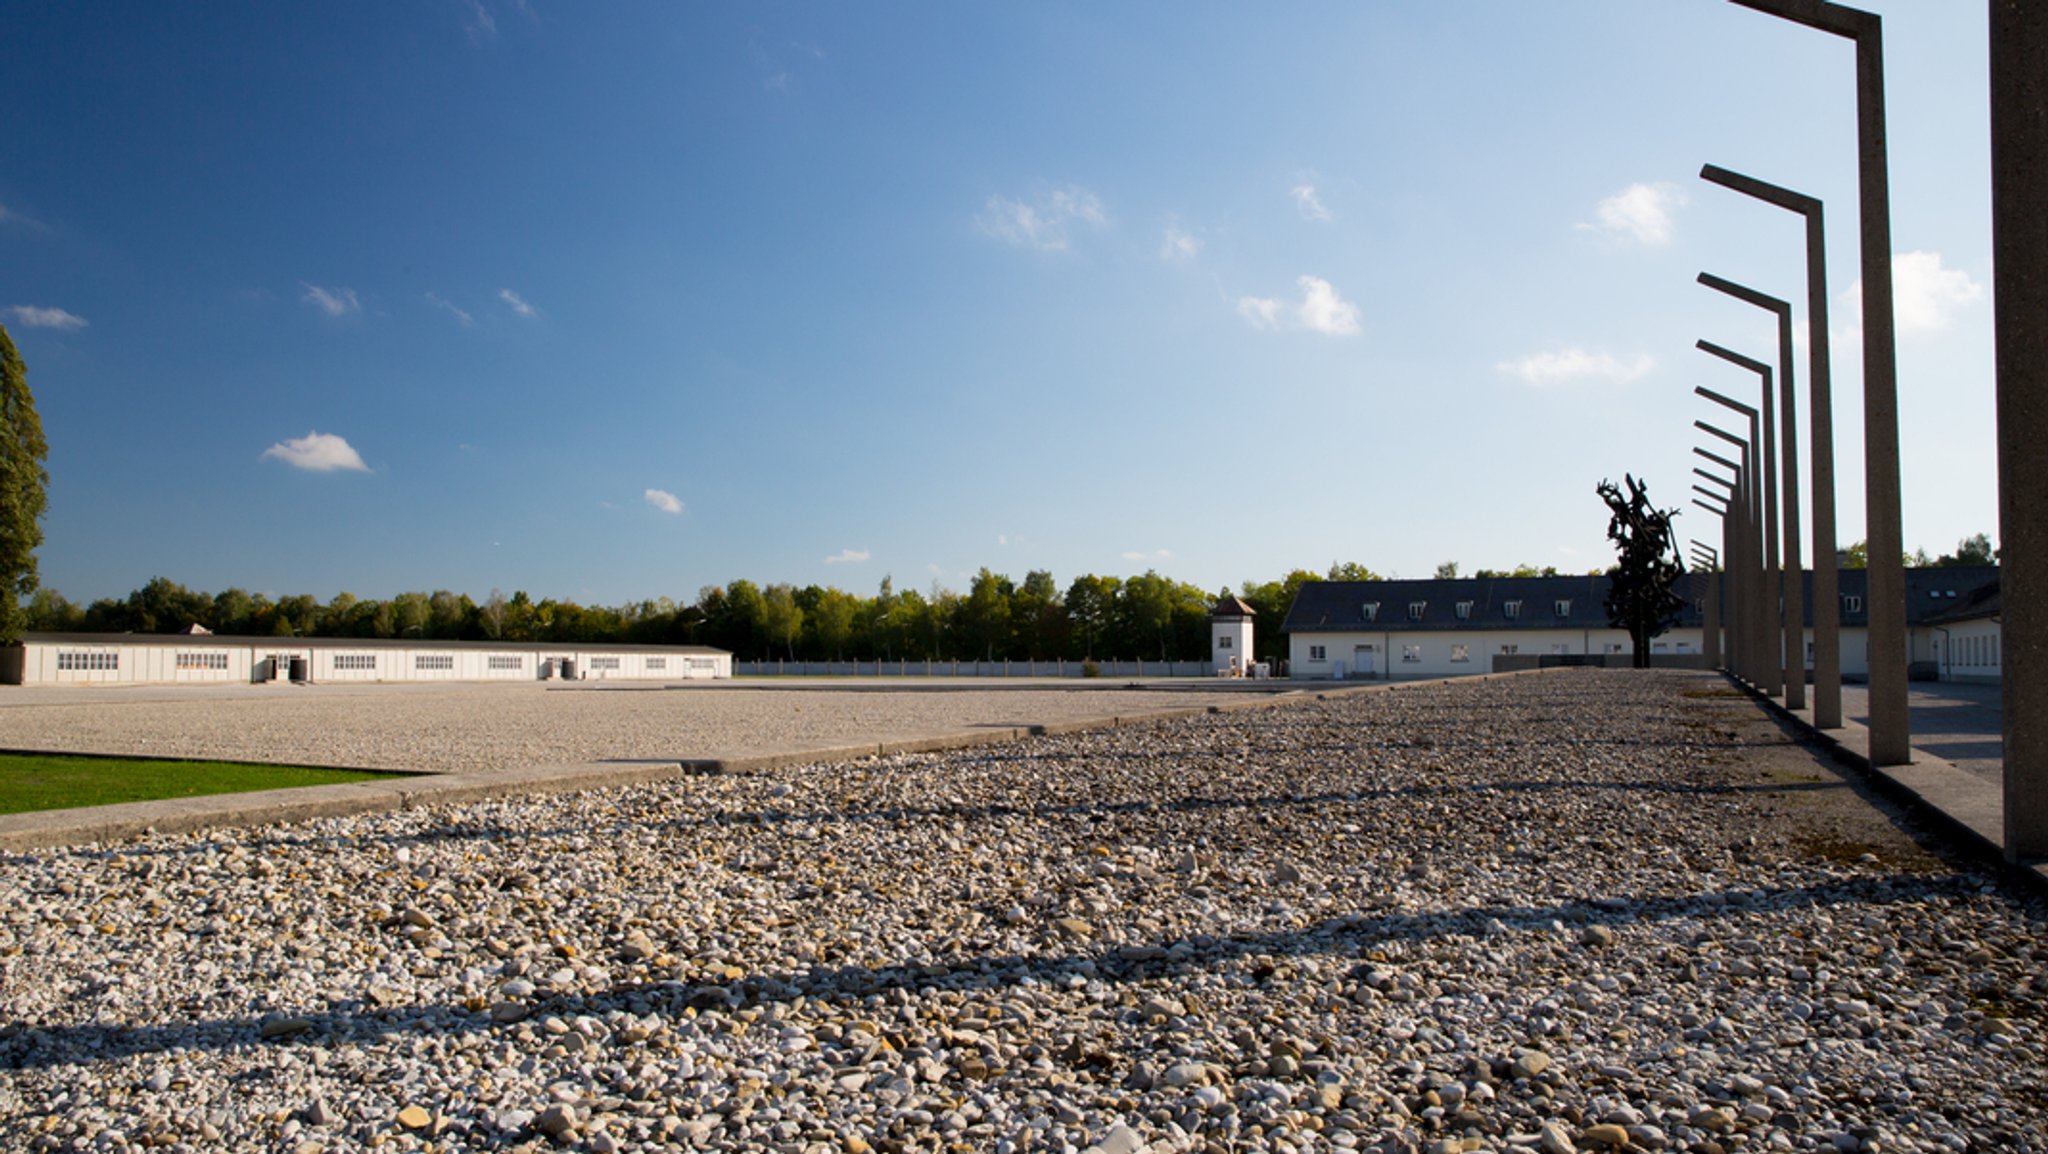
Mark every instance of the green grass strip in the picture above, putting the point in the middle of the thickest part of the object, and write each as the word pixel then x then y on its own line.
pixel 30 782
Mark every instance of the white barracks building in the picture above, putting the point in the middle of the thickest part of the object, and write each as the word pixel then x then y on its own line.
pixel 179 658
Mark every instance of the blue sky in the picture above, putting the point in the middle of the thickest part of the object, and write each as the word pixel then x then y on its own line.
pixel 614 301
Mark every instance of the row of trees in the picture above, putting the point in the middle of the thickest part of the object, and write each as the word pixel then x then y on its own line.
pixel 1148 616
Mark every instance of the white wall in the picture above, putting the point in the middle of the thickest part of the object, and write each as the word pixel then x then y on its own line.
pixel 125 661
pixel 1437 654
pixel 1230 637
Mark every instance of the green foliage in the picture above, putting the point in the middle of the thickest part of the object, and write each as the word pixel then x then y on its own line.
pixel 1149 616
pixel 23 481
pixel 1517 571
pixel 1973 550
pixel 1351 571
pixel 1448 571
pixel 781 617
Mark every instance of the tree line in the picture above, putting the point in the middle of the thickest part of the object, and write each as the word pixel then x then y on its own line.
pixel 1148 616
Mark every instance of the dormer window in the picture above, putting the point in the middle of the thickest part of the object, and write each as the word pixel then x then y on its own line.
pixel 1415 610
pixel 1512 610
pixel 1464 610
pixel 1564 607
pixel 1852 604
pixel 1372 610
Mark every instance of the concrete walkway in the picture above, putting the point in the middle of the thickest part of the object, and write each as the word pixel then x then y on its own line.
pixel 1957 773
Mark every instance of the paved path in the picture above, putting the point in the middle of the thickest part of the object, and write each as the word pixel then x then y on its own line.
pixel 1957 733
pixel 1963 725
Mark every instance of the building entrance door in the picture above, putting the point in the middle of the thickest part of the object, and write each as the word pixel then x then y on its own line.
pixel 1366 660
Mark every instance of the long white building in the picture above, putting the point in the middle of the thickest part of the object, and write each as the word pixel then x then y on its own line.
pixel 154 659
pixel 1444 628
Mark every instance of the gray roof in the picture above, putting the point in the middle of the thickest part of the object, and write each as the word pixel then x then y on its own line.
pixel 1341 606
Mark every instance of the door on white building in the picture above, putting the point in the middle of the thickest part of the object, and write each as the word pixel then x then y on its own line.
pixel 1366 660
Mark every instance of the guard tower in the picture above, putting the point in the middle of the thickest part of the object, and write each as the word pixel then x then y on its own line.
pixel 1230 637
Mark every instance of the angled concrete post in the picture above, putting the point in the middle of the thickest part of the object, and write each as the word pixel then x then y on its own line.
pixel 1749 630
pixel 1890 730
pixel 1827 576
pixel 1718 655
pixel 1769 601
pixel 2019 245
pixel 1785 475
pixel 1707 574
pixel 1739 597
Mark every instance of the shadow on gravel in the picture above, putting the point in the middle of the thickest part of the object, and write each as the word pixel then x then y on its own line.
pixel 37 1048
pixel 1092 810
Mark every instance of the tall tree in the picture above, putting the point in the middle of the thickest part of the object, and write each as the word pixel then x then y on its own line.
pixel 985 616
pixel 1091 607
pixel 23 480
pixel 1639 594
pixel 782 617
pixel 1351 571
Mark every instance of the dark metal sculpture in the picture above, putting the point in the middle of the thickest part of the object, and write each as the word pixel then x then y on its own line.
pixel 1640 597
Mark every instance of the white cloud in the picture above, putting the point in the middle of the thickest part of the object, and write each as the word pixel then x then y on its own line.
pixel 1178 244
pixel 318 453
pixel 1154 555
pixel 459 313
pixel 46 318
pixel 1043 225
pixel 1640 213
pixel 479 22
pixel 1925 295
pixel 847 556
pixel 1567 365
pixel 1310 205
pixel 1320 310
pixel 517 303
pixel 1262 312
pixel 1324 311
pixel 664 500
pixel 336 302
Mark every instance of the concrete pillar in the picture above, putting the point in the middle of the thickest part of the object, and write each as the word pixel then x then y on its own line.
pixel 2019 242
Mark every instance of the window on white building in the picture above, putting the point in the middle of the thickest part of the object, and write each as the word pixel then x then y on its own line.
pixel 1564 607
pixel 88 661
pixel 1371 610
pixel 1222 642
pixel 202 661
pixel 1511 610
pixel 1416 610
pixel 505 661
pixel 1318 653
pixel 1461 652
pixel 1510 649
pixel 604 663
pixel 1411 653
pixel 1464 610
pixel 432 662
pixel 343 662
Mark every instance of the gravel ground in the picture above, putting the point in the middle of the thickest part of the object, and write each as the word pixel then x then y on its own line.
pixel 448 728
pixel 1582 911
